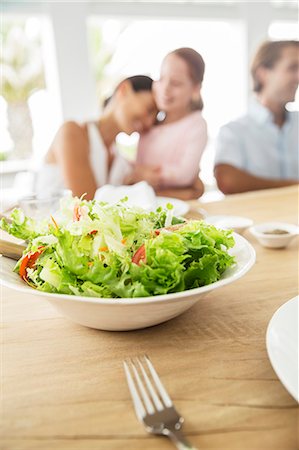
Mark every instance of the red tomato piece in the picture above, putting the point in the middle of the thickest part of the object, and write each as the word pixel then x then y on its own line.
pixel 139 255
pixel 29 260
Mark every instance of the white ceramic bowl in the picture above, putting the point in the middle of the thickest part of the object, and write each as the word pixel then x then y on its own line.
pixel 236 223
pixel 130 313
pixel 274 240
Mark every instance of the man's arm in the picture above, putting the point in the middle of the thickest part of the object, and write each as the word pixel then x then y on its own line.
pixel 231 180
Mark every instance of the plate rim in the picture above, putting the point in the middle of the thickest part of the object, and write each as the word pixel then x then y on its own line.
pixel 178 200
pixel 280 374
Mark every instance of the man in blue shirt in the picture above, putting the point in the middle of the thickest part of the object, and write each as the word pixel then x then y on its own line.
pixel 260 150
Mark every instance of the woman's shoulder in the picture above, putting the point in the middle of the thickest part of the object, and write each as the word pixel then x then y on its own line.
pixel 72 128
pixel 72 132
pixel 193 123
pixel 71 138
pixel 197 125
pixel 195 117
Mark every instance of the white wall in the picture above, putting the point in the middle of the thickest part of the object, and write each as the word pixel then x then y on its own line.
pixel 72 82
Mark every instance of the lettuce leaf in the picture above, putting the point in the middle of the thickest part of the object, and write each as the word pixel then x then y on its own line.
pixel 88 250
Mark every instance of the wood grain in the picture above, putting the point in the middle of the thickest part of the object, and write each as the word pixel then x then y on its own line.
pixel 63 385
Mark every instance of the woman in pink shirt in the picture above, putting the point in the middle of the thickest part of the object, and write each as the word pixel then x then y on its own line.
pixel 169 154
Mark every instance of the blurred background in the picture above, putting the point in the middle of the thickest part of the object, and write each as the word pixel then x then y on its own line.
pixel 60 60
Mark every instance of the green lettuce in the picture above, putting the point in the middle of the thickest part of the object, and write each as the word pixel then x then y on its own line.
pixel 89 249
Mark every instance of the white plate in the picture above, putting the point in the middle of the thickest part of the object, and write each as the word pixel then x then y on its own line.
pixel 282 345
pixel 131 313
pixel 236 223
pixel 180 207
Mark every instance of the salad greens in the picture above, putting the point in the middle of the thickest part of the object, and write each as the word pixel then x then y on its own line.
pixel 100 250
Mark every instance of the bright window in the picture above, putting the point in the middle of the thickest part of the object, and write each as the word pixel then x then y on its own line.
pixel 28 116
pixel 283 30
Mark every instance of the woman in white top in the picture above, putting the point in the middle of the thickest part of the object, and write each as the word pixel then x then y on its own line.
pixel 81 157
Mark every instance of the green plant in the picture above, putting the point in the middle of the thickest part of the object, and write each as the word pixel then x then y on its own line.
pixel 3 156
pixel 20 62
pixel 101 55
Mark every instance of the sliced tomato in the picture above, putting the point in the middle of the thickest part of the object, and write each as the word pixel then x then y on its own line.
pixel 29 260
pixel 93 232
pixel 139 255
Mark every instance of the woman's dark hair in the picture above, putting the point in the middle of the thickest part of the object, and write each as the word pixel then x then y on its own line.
pixel 196 66
pixel 138 82
pixel 267 56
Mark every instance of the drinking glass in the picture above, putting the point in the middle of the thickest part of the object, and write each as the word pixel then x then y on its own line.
pixel 40 206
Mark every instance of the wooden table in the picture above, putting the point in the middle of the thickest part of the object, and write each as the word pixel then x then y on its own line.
pixel 64 387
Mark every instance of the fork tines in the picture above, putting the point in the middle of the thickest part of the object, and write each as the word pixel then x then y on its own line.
pixel 147 391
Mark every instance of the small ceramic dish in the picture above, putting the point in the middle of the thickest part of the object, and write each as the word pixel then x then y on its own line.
pixel 236 223
pixel 274 234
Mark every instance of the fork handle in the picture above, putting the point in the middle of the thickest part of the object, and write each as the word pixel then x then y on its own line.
pixel 179 440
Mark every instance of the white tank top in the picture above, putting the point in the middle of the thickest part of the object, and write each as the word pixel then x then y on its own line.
pixel 49 177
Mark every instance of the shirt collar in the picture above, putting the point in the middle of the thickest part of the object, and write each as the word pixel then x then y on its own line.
pixel 262 114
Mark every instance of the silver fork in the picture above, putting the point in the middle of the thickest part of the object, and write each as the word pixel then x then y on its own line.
pixel 152 403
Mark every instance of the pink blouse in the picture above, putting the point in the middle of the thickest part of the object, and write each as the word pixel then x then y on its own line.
pixel 176 147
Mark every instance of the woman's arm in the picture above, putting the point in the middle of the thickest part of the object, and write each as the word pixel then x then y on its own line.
pixel 153 176
pixel 71 149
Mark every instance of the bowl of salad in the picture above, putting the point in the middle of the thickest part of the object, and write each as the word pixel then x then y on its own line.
pixel 119 267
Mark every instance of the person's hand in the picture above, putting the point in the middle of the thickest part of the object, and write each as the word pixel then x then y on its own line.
pixel 151 174
pixel 198 187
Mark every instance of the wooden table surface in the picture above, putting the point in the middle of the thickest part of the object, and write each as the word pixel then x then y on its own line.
pixel 63 385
